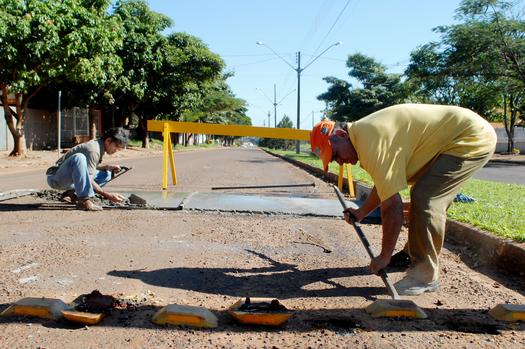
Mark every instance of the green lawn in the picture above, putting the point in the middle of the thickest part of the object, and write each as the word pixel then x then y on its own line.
pixel 499 207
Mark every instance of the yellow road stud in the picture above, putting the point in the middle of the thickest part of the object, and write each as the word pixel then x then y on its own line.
pixel 508 312
pixel 83 317
pixel 395 308
pixel 175 314
pixel 46 308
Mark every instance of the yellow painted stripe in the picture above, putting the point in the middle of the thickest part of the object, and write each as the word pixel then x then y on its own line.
pixel 229 130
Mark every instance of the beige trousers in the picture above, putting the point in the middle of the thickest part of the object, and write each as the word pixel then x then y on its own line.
pixel 430 198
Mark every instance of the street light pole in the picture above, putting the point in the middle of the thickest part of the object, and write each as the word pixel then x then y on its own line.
pixel 299 70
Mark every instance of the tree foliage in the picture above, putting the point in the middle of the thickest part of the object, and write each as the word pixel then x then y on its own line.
pixel 478 63
pixel 44 42
pixel 379 90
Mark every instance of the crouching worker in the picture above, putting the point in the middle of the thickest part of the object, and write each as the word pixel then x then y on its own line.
pixel 80 173
pixel 433 148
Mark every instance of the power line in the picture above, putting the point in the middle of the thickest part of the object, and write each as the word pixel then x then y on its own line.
pixel 333 25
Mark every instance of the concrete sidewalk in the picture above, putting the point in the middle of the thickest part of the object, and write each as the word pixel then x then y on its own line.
pixel 510 158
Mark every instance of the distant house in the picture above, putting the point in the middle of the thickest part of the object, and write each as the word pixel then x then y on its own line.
pixel 41 128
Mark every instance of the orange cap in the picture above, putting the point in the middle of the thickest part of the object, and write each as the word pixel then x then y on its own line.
pixel 320 141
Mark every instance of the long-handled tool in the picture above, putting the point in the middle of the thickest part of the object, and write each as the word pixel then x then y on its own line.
pixel 395 307
pixel 267 186
pixel 123 169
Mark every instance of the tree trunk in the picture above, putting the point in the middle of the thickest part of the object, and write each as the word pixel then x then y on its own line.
pixel 17 131
pixel 144 127
pixel 92 122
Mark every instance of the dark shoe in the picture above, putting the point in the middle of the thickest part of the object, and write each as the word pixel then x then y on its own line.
pixel 88 205
pixel 400 260
pixel 69 196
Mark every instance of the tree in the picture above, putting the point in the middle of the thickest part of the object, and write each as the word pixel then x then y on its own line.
pixel 273 143
pixel 379 90
pixel 179 84
pixel 479 63
pixel 142 56
pixel 45 42
pixel 219 106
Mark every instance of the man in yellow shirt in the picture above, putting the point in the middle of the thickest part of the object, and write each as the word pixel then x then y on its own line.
pixel 433 148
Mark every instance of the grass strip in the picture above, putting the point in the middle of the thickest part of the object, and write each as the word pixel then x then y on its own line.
pixel 499 207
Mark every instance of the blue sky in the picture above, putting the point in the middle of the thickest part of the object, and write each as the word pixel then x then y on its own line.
pixel 387 30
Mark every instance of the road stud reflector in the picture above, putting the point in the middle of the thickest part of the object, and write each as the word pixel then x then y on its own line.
pixel 258 311
pixel 46 308
pixel 83 317
pixel 508 312
pixel 395 308
pixel 175 314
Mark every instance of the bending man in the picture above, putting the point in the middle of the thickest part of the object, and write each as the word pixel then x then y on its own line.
pixel 81 174
pixel 435 149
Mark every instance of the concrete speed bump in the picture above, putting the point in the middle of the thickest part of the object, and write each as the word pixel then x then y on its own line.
pixel 175 314
pixel 508 312
pixel 46 308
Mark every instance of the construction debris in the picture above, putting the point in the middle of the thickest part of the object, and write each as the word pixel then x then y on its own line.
pixel 260 311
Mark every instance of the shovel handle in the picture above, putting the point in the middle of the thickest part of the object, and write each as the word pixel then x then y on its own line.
pixel 384 276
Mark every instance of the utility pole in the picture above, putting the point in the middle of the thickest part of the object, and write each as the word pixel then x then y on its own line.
pixel 274 106
pixel 298 70
pixel 269 125
pixel 297 143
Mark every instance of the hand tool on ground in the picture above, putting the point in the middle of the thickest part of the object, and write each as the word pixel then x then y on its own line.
pixel 123 169
pixel 395 307
pixel 267 186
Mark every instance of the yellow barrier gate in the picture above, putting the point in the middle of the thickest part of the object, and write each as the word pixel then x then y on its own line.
pixel 167 127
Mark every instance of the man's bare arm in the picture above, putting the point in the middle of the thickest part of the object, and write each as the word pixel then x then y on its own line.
pixel 392 220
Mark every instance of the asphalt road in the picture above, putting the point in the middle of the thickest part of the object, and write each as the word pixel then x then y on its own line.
pixel 213 259
pixel 505 172
pixel 197 171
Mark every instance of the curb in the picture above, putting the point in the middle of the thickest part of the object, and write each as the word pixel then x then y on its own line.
pixel 505 254
pixel 513 162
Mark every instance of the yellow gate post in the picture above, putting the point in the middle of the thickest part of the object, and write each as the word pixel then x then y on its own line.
pixel 350 181
pixel 168 151
pixel 349 177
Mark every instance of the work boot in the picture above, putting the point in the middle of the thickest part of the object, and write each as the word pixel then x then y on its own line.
pixel 400 261
pixel 69 196
pixel 408 286
pixel 87 205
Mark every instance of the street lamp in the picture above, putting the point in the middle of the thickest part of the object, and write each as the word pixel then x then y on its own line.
pixel 274 103
pixel 299 70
